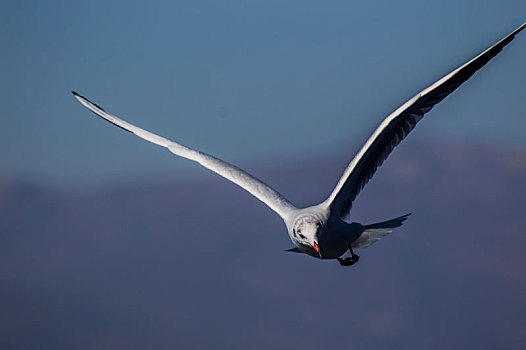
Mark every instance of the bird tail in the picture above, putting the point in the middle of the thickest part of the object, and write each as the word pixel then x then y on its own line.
pixel 374 232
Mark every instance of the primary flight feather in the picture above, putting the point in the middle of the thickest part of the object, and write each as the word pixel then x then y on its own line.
pixel 320 230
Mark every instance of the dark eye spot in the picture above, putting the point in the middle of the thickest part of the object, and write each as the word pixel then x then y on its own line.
pixel 298 233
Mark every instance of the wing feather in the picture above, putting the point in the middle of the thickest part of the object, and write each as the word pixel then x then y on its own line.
pixel 241 178
pixel 398 125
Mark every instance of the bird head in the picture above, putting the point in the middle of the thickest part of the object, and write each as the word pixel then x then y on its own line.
pixel 306 232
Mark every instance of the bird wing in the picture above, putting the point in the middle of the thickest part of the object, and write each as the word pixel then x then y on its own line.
pixel 241 178
pixel 398 124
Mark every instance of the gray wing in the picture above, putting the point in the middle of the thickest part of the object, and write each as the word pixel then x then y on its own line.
pixel 241 178
pixel 397 125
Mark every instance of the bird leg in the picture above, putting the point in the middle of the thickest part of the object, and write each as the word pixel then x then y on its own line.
pixel 354 257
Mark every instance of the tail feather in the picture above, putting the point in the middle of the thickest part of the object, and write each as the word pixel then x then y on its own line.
pixel 393 223
pixel 374 232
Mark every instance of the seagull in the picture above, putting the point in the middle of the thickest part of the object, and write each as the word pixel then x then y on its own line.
pixel 322 230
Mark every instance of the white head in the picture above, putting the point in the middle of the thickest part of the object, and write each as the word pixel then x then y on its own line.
pixel 305 232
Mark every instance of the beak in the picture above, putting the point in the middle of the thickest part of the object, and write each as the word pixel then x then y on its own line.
pixel 317 248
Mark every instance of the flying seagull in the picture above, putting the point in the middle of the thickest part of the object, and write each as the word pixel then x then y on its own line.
pixel 321 230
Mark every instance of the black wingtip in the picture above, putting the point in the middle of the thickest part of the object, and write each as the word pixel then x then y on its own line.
pixel 85 100
pixel 404 217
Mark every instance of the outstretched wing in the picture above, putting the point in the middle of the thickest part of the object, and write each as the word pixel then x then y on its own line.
pixel 241 178
pixel 397 125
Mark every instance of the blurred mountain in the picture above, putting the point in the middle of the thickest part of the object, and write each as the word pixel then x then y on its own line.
pixel 201 264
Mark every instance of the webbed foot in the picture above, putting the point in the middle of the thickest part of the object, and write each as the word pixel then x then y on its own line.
pixel 346 262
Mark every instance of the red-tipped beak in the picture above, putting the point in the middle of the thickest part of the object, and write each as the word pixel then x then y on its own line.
pixel 317 248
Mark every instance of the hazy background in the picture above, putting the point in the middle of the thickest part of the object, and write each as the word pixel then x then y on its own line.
pixel 109 242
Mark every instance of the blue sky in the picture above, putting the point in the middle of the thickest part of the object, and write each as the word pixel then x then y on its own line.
pixel 241 80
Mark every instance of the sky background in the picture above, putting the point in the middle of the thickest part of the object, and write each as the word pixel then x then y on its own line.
pixel 109 242
pixel 243 80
